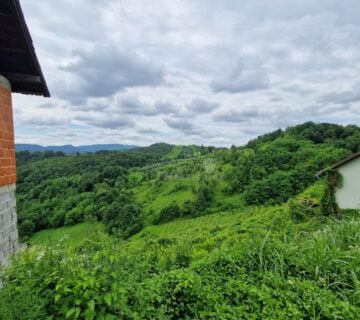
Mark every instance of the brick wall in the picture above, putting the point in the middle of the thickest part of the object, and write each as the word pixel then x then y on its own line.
pixel 8 219
pixel 7 146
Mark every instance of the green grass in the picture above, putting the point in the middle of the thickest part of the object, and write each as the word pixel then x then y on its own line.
pixel 174 153
pixel 155 196
pixel 70 235
pixel 228 263
pixel 224 229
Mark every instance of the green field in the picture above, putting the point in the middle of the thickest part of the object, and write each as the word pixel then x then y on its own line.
pixel 70 235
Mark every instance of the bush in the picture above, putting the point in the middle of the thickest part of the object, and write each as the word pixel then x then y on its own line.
pixel 277 187
pixel 123 220
pixel 58 219
pixel 180 293
pixel 189 209
pixel 74 216
pixel 26 228
pixel 204 197
pixel 169 213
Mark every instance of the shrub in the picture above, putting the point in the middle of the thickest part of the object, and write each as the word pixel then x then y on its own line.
pixel 204 197
pixel 74 216
pixel 26 228
pixel 58 219
pixel 124 220
pixel 169 213
pixel 277 187
pixel 180 293
pixel 189 208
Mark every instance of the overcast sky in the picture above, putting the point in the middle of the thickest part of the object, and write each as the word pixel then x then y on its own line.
pixel 212 72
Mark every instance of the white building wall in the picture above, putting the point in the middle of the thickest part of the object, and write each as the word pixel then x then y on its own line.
pixel 348 196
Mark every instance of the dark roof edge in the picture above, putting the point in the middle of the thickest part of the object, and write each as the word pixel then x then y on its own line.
pixel 339 163
pixel 30 46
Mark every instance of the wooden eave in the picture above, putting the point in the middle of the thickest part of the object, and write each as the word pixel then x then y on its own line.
pixel 18 61
pixel 339 163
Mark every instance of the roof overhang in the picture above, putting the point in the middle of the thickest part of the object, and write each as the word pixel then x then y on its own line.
pixel 18 61
pixel 339 164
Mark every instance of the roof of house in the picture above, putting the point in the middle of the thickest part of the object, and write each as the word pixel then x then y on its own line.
pixel 339 163
pixel 18 61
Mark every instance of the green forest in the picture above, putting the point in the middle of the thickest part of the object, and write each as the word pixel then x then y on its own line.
pixel 187 232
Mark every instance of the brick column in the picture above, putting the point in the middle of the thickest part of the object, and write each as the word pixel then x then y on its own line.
pixel 8 219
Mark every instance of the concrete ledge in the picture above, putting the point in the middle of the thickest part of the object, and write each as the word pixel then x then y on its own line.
pixel 5 83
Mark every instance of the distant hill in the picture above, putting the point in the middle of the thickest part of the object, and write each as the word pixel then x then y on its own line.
pixel 72 149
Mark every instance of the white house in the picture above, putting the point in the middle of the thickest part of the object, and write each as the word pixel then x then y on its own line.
pixel 348 194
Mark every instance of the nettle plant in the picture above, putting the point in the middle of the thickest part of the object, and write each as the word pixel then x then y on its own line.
pixel 328 203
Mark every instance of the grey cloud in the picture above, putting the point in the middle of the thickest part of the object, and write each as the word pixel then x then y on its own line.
pixel 148 131
pixel 251 131
pixel 241 79
pixel 237 115
pixel 342 97
pixel 276 99
pixel 94 104
pixel 198 105
pixel 166 107
pixel 68 17
pixel 106 121
pixel 45 121
pixel 298 51
pixel 65 134
pixel 132 105
pixel 298 89
pixel 182 125
pixel 106 70
pixel 47 105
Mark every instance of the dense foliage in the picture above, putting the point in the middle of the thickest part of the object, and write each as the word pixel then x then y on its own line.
pixel 250 264
pixel 62 190
pixel 281 164
pixel 177 238
pixel 56 190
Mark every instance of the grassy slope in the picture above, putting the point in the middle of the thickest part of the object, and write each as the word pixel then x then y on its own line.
pixel 174 153
pixel 154 195
pixel 302 270
pixel 70 235
pixel 202 235
pixel 225 230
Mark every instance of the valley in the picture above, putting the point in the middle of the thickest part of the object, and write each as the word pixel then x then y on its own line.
pixel 188 232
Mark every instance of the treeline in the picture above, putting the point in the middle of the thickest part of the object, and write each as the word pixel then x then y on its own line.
pixel 63 190
pixel 23 157
pixel 60 191
pixel 347 137
pixel 278 165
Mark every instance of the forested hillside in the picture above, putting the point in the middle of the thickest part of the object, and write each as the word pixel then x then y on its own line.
pixel 189 232
pixel 70 149
pixel 162 182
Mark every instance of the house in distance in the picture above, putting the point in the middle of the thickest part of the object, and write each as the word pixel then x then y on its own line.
pixel 347 194
pixel 20 72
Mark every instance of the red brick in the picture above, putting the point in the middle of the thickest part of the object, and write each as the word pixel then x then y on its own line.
pixel 7 145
